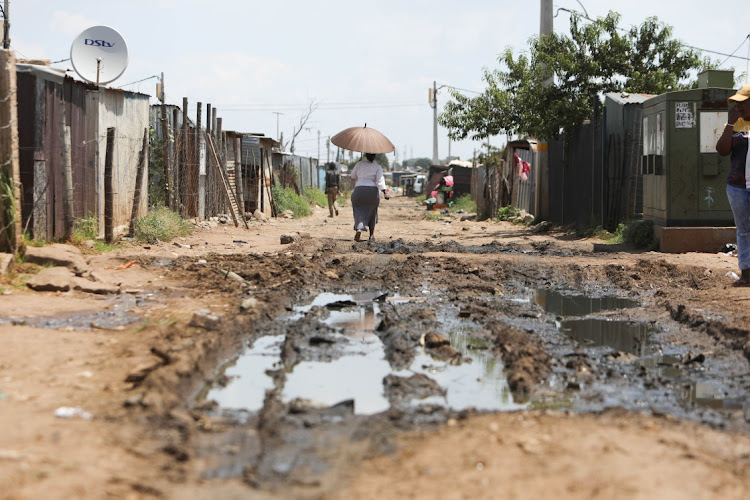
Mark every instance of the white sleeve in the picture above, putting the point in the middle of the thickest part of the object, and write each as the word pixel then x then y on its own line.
pixel 380 179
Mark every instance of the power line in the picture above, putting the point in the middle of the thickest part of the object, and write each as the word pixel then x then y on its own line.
pixel 322 108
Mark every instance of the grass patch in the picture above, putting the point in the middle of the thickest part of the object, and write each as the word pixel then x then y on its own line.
pixel 505 213
pixel 287 199
pixel 33 243
pixel 465 203
pixel 85 229
pixel 641 235
pixel 160 224
pixel 433 216
pixel 602 234
pixel 315 196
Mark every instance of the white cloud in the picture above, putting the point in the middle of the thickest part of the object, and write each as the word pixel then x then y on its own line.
pixel 70 24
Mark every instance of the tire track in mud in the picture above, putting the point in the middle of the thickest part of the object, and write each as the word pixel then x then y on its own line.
pixel 301 445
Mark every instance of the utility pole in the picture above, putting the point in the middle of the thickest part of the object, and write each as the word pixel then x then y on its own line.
pixel 6 26
pixel 277 113
pixel 328 147
pixel 545 25
pixel 433 104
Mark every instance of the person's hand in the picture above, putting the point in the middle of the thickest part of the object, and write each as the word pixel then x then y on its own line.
pixel 734 115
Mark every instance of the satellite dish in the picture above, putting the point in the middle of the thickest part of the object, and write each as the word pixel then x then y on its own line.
pixel 99 55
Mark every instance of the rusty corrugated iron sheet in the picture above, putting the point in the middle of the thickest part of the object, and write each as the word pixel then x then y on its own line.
pixel 43 95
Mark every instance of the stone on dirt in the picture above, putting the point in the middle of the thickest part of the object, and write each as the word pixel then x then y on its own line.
pixel 287 239
pixel 51 279
pixel 6 263
pixel 97 288
pixel 260 215
pixel 542 227
pixel 58 254
pixel 205 319
pixel 249 303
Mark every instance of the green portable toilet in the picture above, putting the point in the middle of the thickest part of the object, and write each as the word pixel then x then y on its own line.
pixel 684 178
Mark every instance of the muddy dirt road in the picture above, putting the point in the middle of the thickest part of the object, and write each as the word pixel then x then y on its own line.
pixel 448 359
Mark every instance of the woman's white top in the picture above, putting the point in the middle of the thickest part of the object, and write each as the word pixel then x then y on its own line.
pixel 368 173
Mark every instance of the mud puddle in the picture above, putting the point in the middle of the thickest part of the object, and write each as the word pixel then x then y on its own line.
pixel 355 365
pixel 622 357
pixel 120 315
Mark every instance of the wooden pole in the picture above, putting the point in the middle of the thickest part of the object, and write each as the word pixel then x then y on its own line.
pixel 176 161
pixel 11 234
pixel 238 175
pixel 109 203
pixel 67 171
pixel 184 156
pixel 262 179
pixel 165 144
pixel 139 182
pixel 200 153
pixel 210 181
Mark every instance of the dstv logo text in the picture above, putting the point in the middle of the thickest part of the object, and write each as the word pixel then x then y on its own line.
pixel 98 43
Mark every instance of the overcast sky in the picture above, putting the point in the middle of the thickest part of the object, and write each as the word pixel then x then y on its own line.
pixel 362 62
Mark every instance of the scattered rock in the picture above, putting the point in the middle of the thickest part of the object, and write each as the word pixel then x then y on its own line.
pixel 260 215
pixel 288 214
pixel 468 217
pixel 205 319
pixel 249 303
pixel 6 263
pixel 305 236
pixel 287 239
pixel 98 288
pixel 542 227
pixel 58 254
pixel 331 274
pixel 51 279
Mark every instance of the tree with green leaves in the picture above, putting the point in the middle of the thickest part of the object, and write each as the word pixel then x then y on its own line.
pixel 553 88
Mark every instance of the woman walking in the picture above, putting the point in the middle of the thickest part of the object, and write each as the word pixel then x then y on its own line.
pixel 368 183
pixel 734 142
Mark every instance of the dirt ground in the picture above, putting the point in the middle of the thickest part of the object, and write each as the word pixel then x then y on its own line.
pixel 597 423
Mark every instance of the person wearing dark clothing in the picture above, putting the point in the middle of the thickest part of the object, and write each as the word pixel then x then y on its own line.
pixel 332 188
pixel 734 142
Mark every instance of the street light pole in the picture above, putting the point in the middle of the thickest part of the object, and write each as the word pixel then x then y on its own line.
pixel 6 26
pixel 277 113
pixel 434 124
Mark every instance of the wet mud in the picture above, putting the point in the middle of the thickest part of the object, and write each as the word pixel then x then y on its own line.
pixel 330 350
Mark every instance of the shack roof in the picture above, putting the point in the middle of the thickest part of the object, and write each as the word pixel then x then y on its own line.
pixel 625 98
pixel 58 75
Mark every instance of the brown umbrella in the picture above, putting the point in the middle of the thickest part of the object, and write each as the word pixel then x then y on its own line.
pixel 364 140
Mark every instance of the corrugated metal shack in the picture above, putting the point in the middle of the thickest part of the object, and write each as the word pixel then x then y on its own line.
pixel 523 188
pixel 258 152
pixel 89 111
pixel 260 165
pixel 623 154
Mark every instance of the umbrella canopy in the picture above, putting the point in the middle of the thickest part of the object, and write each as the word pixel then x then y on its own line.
pixel 363 140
